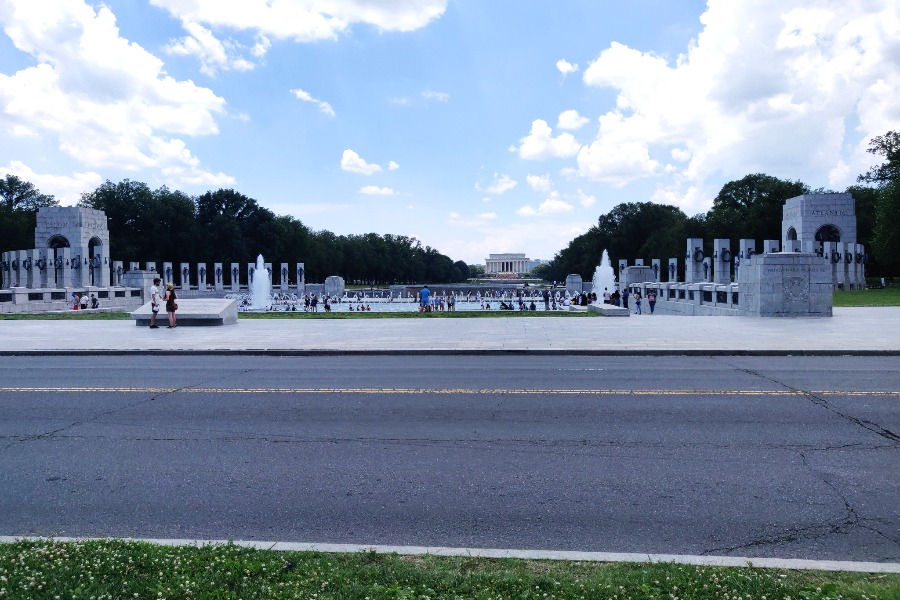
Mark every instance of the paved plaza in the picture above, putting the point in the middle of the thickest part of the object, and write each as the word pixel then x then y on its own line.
pixel 849 331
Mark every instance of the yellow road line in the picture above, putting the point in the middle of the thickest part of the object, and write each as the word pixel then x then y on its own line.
pixel 433 391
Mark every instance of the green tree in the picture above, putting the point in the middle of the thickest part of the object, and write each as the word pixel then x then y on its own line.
pixel 18 194
pixel 888 146
pixel 751 207
pixel 886 236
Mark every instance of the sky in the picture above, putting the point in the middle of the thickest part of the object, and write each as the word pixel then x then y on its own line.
pixel 475 126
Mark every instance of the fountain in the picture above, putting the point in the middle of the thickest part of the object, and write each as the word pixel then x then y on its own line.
pixel 604 277
pixel 260 287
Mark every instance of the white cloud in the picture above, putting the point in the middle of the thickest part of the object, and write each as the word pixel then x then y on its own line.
pixel 374 190
pixel 565 67
pixel 502 183
pixel 436 96
pixel 353 163
pixel 552 205
pixel 305 20
pixel 307 97
pixel 393 166
pixel 540 143
pixel 488 215
pixel 213 54
pixel 66 188
pixel 107 101
pixel 540 183
pixel 767 86
pixel 570 119
pixel 399 100
pixel 586 200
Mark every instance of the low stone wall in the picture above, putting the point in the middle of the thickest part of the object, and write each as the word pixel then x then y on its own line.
pixel 31 300
pixel 691 299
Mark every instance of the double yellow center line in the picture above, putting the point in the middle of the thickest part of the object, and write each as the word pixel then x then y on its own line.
pixel 433 391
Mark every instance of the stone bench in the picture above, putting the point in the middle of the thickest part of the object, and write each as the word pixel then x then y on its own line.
pixel 609 310
pixel 192 311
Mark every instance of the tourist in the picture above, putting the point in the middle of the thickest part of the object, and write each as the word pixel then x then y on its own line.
pixel 84 301
pixel 327 304
pixel 606 296
pixel 615 298
pixel 546 296
pixel 171 305
pixel 625 294
pixel 306 303
pixel 451 303
pixel 424 305
pixel 532 306
pixel 637 303
pixel 94 302
pixel 76 301
pixel 154 302
pixel 313 302
pixel 651 300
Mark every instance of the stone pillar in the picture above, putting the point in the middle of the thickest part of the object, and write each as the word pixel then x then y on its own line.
pixel 283 277
pixel 118 271
pixel 44 260
pixel 301 278
pixel 848 265
pixel 707 266
pixel 218 277
pixel 834 258
pixel 104 270
pixel 673 269
pixel 63 268
pixel 860 267
pixel 150 268
pixel 235 277
pixel 693 261
pixel 201 277
pixel 655 265
pixel 573 284
pixel 185 273
pixel 639 262
pixel 792 246
pixel 29 266
pixel 623 264
pixel 270 275
pixel 135 266
pixel 771 246
pixel 168 273
pixel 721 261
pixel 5 270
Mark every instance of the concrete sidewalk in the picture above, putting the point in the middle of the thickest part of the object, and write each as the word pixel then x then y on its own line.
pixel 849 331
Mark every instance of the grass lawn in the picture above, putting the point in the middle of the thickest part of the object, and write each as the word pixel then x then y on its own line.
pixel 119 569
pixel 889 296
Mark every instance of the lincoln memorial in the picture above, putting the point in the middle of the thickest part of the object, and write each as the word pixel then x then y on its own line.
pixel 506 263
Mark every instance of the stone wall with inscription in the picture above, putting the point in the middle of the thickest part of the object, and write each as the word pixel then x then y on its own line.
pixel 786 284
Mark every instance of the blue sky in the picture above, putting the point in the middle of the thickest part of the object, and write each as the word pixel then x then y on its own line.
pixel 477 126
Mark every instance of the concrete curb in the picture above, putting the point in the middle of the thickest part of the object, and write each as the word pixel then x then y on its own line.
pixel 684 559
pixel 445 352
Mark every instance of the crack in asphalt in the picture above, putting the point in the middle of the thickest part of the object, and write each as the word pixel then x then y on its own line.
pixel 814 531
pixel 823 403
pixel 53 433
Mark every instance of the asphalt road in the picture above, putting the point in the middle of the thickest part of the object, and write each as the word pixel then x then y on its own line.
pixel 785 457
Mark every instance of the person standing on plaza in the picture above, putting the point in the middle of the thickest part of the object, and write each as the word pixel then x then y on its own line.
pixel 171 305
pixel 651 300
pixel 637 303
pixel 625 295
pixel 154 302
pixel 423 305
pixel 606 296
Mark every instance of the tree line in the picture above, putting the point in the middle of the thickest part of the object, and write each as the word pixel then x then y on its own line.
pixel 227 226
pixel 749 208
